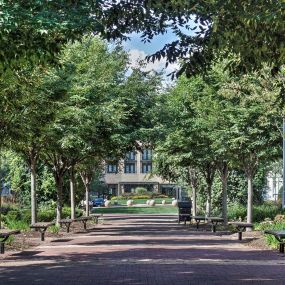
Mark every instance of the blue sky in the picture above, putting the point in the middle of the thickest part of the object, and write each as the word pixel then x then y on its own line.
pixel 149 48
pixel 139 50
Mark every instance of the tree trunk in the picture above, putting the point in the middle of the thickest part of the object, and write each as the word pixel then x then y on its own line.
pixel 72 194
pixel 58 181
pixel 224 178
pixel 87 191
pixel 33 191
pixel 249 197
pixel 193 179
pixel 194 201
pixel 209 174
pixel 209 200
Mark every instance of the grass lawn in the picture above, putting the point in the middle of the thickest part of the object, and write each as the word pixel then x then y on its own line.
pixel 136 210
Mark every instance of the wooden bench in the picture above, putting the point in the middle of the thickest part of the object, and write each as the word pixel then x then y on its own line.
pixel 241 227
pixel 198 219
pixel 42 227
pixel 280 237
pixel 4 235
pixel 67 222
pixel 214 221
pixel 84 220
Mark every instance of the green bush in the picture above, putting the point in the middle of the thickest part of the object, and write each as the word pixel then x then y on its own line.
pixel 141 191
pixel 45 215
pixel 54 229
pixel 13 215
pixel 21 219
pixel 260 212
pixel 271 225
pixel 236 211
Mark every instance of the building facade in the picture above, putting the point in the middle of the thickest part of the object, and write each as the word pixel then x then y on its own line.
pixel 135 171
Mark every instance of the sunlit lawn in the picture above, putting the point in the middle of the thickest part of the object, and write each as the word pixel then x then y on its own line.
pixel 136 210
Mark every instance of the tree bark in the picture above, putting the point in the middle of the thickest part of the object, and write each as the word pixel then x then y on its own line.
pixel 58 181
pixel 209 173
pixel 209 200
pixel 224 173
pixel 87 191
pixel 33 191
pixel 72 194
pixel 193 177
pixel 86 178
pixel 249 197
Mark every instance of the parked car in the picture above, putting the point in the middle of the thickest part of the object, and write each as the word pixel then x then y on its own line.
pixel 98 202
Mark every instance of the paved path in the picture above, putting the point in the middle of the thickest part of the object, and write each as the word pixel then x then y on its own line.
pixel 143 250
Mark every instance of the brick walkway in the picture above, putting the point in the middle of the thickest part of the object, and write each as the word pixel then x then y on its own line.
pixel 142 250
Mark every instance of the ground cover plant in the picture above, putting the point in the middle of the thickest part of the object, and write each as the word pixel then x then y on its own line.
pixel 278 223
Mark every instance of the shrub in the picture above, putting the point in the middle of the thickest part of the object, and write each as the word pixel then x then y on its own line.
pixel 260 212
pixel 141 191
pixel 236 211
pixel 45 215
pixel 54 229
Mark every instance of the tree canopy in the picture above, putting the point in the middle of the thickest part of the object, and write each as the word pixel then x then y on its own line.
pixel 35 31
pixel 252 31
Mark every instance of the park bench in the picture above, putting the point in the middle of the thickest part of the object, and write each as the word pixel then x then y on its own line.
pixel 67 222
pixel 184 211
pixel 280 237
pixel 4 235
pixel 84 220
pixel 213 220
pixel 240 227
pixel 42 227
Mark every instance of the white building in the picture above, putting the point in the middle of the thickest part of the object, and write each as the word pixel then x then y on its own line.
pixel 274 184
pixel 134 171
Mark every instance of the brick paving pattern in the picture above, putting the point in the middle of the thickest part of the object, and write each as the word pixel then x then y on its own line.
pixel 143 250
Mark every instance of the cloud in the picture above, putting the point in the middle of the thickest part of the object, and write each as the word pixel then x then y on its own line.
pixel 137 59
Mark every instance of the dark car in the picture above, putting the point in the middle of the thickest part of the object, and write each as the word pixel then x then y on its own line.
pixel 98 202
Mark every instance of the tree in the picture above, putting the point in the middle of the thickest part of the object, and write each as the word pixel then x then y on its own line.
pixel 31 109
pixel 90 120
pixel 187 142
pixel 219 122
pixel 37 31
pixel 206 30
pixel 254 136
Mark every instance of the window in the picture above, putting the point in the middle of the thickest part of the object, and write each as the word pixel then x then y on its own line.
pixel 131 155
pixel 147 154
pixel 130 167
pixel 112 168
pixel 146 167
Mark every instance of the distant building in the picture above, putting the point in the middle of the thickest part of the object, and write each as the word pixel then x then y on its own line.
pixel 274 185
pixel 134 171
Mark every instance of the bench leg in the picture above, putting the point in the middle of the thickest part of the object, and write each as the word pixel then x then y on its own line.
pixel 67 228
pixel 2 250
pixel 281 247
pixel 240 235
pixel 42 231
pixel 84 225
pixel 213 228
pixel 197 224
